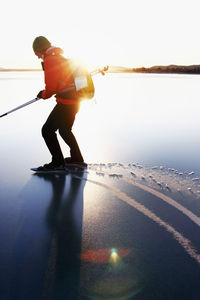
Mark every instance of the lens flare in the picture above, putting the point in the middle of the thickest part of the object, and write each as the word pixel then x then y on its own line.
pixel 114 256
pixel 117 276
pixel 104 255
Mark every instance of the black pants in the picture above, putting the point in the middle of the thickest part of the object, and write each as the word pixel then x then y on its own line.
pixel 61 118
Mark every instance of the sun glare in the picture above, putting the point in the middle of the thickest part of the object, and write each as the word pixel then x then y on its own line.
pixel 91 52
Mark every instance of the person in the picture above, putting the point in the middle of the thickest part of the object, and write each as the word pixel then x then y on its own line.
pixel 58 76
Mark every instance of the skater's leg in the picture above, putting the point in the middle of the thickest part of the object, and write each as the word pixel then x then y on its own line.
pixel 50 136
pixel 65 131
pixel 70 140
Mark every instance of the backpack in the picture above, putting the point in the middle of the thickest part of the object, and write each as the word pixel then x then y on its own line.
pixel 82 87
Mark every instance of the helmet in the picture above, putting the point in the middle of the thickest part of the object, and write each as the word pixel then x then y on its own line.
pixel 40 44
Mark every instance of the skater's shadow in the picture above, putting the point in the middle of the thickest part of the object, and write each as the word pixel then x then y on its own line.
pixel 64 219
pixel 47 248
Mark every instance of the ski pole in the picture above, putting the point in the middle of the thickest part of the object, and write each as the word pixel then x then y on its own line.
pixel 18 107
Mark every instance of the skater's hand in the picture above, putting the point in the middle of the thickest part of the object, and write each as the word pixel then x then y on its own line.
pixel 39 95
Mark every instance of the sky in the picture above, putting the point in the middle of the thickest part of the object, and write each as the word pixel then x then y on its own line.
pixel 131 33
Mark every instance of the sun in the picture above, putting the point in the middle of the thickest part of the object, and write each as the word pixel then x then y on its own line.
pixel 88 57
pixel 90 51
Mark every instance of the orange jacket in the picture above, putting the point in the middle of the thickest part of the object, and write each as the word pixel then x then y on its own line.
pixel 57 75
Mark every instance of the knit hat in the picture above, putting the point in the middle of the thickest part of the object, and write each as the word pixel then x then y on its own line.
pixel 40 44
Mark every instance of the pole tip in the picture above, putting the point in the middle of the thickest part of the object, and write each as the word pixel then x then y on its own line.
pixel 3 115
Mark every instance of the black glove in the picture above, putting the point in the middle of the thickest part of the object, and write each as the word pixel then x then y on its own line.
pixel 39 95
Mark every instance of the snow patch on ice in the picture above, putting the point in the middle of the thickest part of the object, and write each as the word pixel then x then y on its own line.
pixel 168 180
pixel 116 175
pixel 191 173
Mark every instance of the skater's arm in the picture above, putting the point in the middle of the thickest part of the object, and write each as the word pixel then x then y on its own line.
pixel 51 74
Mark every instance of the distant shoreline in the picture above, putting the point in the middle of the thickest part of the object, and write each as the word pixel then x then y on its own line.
pixel 19 70
pixel 170 69
pixel 193 69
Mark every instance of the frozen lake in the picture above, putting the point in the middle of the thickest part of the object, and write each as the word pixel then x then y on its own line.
pixel 128 227
pixel 149 119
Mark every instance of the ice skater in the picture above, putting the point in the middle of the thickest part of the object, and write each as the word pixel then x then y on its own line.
pixel 58 77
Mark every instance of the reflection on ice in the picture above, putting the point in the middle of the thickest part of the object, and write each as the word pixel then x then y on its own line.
pixel 47 246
